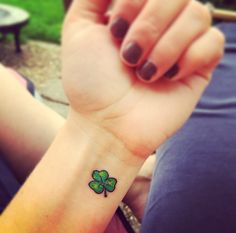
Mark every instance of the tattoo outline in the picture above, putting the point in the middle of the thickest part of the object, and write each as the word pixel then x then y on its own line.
pixel 102 182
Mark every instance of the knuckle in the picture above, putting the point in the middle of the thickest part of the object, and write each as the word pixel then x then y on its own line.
pixel 201 14
pixel 187 2
pixel 219 54
pixel 166 51
pixel 219 36
pixel 132 4
pixel 148 29
pixel 206 15
pixel 151 26
pixel 197 57
pixel 136 2
pixel 219 41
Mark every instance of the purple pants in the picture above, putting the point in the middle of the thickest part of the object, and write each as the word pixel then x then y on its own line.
pixel 193 188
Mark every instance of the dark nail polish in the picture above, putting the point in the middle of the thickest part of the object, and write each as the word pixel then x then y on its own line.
pixel 119 27
pixel 147 70
pixel 173 71
pixel 132 53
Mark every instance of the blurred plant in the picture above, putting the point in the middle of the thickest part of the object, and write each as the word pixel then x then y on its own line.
pixel 46 19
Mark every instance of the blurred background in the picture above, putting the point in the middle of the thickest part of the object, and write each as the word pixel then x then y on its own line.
pixel 47 16
pixel 40 45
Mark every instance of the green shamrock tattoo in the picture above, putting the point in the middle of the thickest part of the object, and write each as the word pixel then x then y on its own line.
pixel 102 182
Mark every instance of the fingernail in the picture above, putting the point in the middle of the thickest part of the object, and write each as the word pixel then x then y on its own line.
pixel 132 53
pixel 173 71
pixel 147 70
pixel 119 27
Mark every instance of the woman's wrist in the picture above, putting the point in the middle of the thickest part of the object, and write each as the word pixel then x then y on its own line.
pixel 84 175
pixel 91 130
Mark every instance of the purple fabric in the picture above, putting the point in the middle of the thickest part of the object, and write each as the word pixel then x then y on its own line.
pixel 8 185
pixel 194 184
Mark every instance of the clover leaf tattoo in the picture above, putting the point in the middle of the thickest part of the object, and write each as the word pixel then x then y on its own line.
pixel 102 182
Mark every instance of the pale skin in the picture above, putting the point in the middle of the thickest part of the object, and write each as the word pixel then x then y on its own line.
pixel 23 148
pixel 27 126
pixel 116 120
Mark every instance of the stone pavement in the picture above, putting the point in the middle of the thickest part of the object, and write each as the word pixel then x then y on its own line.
pixel 40 62
pixel 53 95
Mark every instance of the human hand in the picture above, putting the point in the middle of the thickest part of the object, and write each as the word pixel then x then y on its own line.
pixel 105 82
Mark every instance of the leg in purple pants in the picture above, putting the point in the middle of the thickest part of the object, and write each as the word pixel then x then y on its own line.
pixel 194 184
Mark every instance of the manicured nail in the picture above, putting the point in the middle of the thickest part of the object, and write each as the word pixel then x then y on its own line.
pixel 173 71
pixel 147 70
pixel 132 53
pixel 119 27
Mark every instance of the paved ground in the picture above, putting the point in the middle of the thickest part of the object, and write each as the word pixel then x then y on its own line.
pixel 41 63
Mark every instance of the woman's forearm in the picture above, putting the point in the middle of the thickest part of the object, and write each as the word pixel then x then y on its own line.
pixel 57 197
pixel 27 126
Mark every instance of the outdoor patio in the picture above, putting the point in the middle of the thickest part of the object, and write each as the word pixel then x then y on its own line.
pixel 39 61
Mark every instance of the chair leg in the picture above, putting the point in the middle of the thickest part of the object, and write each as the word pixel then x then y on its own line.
pixel 17 40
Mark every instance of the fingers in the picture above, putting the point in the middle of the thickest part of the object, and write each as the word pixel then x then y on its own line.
pixel 147 28
pixel 90 10
pixel 192 23
pixel 204 52
pixel 165 40
pixel 123 14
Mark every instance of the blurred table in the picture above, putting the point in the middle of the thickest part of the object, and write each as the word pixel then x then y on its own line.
pixel 12 20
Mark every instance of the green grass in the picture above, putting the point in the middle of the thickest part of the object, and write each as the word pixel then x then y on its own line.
pixel 46 18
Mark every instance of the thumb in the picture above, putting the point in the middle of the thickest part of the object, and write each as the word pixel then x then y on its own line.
pixel 89 10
